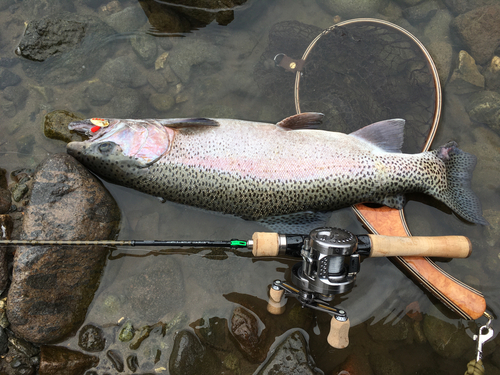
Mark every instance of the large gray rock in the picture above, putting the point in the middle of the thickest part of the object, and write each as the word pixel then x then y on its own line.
pixel 52 286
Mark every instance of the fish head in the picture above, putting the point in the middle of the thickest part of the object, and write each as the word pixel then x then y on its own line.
pixel 119 146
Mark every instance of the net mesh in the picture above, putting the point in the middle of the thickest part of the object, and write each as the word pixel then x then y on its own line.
pixel 355 74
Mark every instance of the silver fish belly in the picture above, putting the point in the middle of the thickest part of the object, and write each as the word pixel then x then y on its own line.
pixel 256 170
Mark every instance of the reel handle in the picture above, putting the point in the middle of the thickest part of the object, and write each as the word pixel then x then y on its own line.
pixel 276 303
pixel 338 337
pixel 270 244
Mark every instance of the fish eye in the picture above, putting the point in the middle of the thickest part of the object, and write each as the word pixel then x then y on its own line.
pixel 106 147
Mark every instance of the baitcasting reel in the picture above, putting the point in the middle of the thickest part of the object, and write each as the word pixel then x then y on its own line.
pixel 329 266
pixel 331 261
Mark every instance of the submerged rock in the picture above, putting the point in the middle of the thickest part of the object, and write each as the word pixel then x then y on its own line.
pixel 492 74
pixel 195 53
pixel 7 78
pixel 55 126
pixel 479 30
pixel 245 329
pixel 382 331
pixel 60 360
pixel 466 78
pixel 127 20
pixel 122 72
pixel 6 226
pixel 190 357
pixel 144 46
pixel 127 332
pixel 484 107
pixel 446 339
pixel 421 12
pixel 437 31
pixel 214 331
pixel 5 200
pixel 52 286
pixel 351 9
pixel 382 363
pixel 464 6
pixel 91 338
pixel 21 358
pixel 15 99
pixel 290 358
pixel 64 48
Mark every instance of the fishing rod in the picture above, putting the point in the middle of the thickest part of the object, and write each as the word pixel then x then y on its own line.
pixel 330 262
pixel 274 244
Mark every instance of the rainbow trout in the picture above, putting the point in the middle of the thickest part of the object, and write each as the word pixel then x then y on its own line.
pixel 257 170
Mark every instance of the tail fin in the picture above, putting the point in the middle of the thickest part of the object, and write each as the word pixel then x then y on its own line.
pixel 458 194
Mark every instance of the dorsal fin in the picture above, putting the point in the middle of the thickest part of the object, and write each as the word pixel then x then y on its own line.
pixel 307 120
pixel 177 123
pixel 387 134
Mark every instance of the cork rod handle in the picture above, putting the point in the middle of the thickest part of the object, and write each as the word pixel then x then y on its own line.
pixel 442 246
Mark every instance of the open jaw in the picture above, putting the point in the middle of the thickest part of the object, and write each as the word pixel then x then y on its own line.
pixel 145 141
pixel 96 128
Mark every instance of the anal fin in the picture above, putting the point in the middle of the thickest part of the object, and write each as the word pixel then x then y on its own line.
pixel 393 201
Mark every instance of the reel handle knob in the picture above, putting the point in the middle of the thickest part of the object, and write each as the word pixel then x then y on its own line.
pixel 276 303
pixel 338 337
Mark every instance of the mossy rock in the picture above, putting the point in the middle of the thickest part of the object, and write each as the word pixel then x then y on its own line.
pixel 55 126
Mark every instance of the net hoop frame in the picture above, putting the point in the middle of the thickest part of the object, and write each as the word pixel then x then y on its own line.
pixel 430 62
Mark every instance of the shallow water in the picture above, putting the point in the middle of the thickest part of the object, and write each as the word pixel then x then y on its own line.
pixel 136 285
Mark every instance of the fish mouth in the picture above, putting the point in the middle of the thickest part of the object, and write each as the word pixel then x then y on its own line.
pixel 93 131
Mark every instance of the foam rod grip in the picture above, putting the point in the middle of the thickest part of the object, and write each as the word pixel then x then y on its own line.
pixel 265 244
pixel 442 246
pixel 338 337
